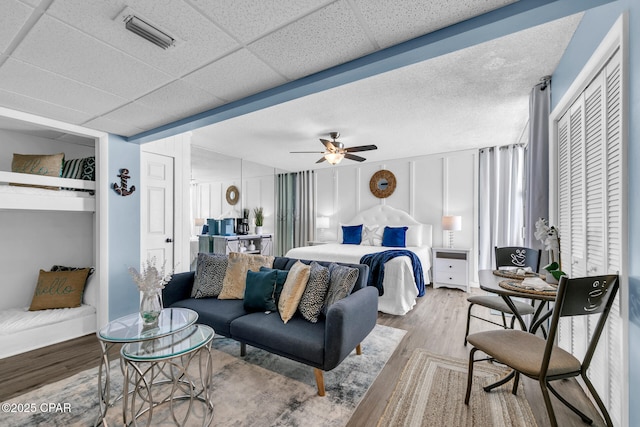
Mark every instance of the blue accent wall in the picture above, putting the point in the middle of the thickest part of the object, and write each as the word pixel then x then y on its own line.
pixel 124 228
pixel 592 29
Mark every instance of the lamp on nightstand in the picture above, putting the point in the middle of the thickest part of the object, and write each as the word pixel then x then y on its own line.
pixel 322 223
pixel 451 223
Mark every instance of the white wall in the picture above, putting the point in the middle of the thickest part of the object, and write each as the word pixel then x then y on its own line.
pixel 428 187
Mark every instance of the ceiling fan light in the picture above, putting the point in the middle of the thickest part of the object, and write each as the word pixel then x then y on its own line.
pixel 334 158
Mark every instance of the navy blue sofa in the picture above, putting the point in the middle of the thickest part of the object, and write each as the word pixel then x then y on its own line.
pixel 323 345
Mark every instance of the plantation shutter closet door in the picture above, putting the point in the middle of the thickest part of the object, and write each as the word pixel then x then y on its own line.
pixel 590 171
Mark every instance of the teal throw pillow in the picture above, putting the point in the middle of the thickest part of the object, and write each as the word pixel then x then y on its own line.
pixel 280 279
pixel 259 291
pixel 395 237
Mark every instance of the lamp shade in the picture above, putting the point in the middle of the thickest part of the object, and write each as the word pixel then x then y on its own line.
pixel 452 222
pixel 322 222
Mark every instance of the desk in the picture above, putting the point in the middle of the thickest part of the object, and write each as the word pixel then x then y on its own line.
pixel 491 283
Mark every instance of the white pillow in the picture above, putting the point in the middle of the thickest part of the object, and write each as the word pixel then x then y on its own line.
pixel 414 235
pixel 372 235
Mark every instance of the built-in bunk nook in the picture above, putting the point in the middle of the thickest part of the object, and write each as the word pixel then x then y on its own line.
pixel 50 226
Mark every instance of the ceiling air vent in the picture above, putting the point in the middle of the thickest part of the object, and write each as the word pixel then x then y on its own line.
pixel 144 29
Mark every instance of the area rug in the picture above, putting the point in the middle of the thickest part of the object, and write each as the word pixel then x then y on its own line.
pixel 260 389
pixel 431 392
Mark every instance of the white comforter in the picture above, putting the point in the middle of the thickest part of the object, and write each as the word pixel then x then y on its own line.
pixel 400 291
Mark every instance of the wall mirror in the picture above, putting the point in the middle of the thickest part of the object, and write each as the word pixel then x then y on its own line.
pixel 233 194
pixel 382 184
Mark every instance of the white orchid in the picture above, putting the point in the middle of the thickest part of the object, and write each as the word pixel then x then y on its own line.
pixel 150 279
pixel 549 236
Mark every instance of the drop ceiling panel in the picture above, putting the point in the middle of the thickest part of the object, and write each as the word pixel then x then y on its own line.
pixel 21 102
pixel 112 126
pixel 321 40
pixel 392 22
pixel 248 19
pixel 138 114
pixel 180 99
pixel 62 49
pixel 13 16
pixel 236 76
pixel 199 40
pixel 55 89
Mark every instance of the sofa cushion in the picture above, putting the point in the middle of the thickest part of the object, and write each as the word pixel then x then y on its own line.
pixel 236 274
pixel 280 279
pixel 259 292
pixel 210 271
pixel 314 294
pixel 341 282
pixel 292 290
pixel 214 312
pixel 298 339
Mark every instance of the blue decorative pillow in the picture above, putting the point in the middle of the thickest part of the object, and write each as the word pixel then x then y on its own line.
pixel 351 234
pixel 259 292
pixel 280 279
pixel 395 237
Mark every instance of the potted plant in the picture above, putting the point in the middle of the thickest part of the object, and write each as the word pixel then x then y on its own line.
pixel 550 238
pixel 259 219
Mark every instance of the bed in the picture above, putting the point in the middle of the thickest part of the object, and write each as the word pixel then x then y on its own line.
pixel 23 330
pixel 400 290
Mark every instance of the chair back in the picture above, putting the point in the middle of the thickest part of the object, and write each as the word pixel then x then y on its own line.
pixel 579 297
pixel 516 256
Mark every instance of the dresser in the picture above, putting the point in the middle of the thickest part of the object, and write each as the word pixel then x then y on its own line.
pixel 451 268
pixel 262 244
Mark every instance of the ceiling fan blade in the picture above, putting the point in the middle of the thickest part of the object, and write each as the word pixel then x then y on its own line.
pixel 328 144
pixel 361 148
pixel 316 152
pixel 354 157
pixel 322 159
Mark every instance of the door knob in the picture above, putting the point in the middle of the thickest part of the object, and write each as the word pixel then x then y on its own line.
pixel 169 240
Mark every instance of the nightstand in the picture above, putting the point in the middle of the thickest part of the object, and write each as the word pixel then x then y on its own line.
pixel 451 268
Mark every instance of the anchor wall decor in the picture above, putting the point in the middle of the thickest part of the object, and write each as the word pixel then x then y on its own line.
pixel 122 189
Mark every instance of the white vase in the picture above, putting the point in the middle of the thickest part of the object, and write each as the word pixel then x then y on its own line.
pixel 549 278
pixel 151 306
pixel 258 229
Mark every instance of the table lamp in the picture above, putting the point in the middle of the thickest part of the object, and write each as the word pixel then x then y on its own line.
pixel 322 223
pixel 451 223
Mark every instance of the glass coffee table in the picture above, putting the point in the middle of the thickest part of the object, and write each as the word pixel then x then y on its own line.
pixel 131 329
pixel 158 372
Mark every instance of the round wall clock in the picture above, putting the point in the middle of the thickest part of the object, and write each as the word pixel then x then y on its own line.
pixel 233 194
pixel 382 184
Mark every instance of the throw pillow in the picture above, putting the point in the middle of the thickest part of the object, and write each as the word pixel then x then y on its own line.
pixel 72 169
pixel 351 234
pixel 88 169
pixel 371 235
pixel 38 164
pixel 314 294
pixel 210 271
pixel 280 279
pixel 342 279
pixel 236 275
pixel 292 290
pixel 414 235
pixel 59 289
pixel 394 237
pixel 259 293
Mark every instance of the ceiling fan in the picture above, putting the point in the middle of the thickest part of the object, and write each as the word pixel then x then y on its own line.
pixel 336 151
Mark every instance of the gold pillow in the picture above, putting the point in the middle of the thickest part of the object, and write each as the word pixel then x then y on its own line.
pixel 38 164
pixel 59 289
pixel 235 277
pixel 292 290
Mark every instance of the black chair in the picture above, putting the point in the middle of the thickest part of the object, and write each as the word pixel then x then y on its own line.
pixel 540 359
pixel 511 256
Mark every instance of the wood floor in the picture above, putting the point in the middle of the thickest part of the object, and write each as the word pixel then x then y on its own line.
pixel 437 324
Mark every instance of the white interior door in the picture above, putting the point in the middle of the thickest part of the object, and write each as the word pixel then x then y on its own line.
pixel 157 216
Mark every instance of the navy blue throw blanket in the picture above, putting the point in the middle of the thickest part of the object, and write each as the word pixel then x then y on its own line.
pixel 376 266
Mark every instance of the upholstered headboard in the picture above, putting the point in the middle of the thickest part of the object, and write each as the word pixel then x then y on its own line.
pixel 386 215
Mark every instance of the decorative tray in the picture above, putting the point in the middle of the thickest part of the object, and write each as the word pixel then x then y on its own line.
pixel 518 286
pixel 513 275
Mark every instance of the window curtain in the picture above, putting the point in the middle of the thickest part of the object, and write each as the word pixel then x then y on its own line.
pixel 537 162
pixel 295 210
pixel 501 215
